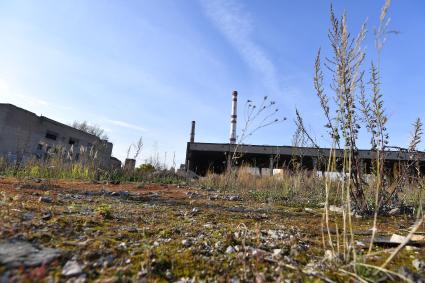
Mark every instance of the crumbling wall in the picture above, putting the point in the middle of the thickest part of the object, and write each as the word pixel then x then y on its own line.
pixel 25 135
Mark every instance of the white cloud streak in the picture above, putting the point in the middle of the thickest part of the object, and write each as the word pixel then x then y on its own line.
pixel 236 25
pixel 126 125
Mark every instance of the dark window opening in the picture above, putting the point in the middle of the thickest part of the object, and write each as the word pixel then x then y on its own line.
pixel 73 141
pixel 51 135
pixel 39 146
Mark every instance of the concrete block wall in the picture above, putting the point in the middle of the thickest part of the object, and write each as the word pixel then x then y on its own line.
pixel 24 133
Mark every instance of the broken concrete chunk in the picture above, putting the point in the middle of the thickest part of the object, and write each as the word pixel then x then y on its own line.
pixel 395 238
pixel 309 209
pixel 124 194
pixel 230 250
pixel 418 238
pixel 27 216
pixel 394 211
pixel 234 198
pixel 46 216
pixel 20 253
pixel 192 195
pixel 72 268
pixel 195 210
pixel 418 264
pixel 336 209
pixel 329 255
pixel 45 199
pixel 410 275
pixel 186 243
pixel 277 252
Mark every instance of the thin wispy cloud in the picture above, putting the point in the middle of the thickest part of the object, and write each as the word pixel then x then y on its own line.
pixel 235 23
pixel 126 125
pixel 9 94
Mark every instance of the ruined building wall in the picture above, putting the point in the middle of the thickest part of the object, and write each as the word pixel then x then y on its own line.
pixel 24 134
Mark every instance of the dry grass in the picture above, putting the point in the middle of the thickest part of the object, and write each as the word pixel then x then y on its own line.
pixel 287 187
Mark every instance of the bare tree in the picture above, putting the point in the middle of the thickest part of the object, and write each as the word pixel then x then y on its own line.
pixel 90 129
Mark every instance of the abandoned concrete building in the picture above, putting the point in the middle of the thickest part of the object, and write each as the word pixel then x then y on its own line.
pixel 24 136
pixel 202 158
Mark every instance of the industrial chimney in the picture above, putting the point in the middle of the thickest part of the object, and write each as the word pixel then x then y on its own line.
pixel 233 117
pixel 192 132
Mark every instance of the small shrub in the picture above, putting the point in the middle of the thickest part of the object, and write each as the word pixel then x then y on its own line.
pixel 104 210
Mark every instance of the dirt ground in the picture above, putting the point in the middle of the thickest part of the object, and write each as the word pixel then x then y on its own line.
pixel 155 233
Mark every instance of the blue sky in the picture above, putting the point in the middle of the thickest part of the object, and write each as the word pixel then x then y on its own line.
pixel 147 68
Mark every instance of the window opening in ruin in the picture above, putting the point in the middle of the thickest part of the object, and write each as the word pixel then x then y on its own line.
pixel 51 135
pixel 73 141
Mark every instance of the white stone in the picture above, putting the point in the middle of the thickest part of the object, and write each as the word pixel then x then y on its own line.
pixel 72 268
pixel 395 238
pixel 418 264
pixel 277 252
pixel 230 250
pixel 337 209
pixel 329 255
pixel 186 243
pixel 394 211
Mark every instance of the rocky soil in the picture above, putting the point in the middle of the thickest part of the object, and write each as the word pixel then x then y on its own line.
pixel 77 232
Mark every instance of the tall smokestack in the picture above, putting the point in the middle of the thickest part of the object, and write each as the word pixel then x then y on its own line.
pixel 192 132
pixel 233 117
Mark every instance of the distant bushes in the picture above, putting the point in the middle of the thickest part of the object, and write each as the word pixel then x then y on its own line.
pixel 57 167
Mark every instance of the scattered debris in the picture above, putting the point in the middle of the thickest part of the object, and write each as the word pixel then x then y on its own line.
pixel 159 238
pixel 394 211
pixel 410 275
pixel 27 216
pixel 398 239
pixel 72 268
pixel 213 197
pixel 186 243
pixel 38 180
pixel 195 210
pixel 20 253
pixel 154 195
pixel 337 209
pixel 46 216
pixel 124 194
pixel 193 195
pixel 419 264
pixel 45 199
pixel 122 246
pixel 395 240
pixel 230 250
pixel 234 198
